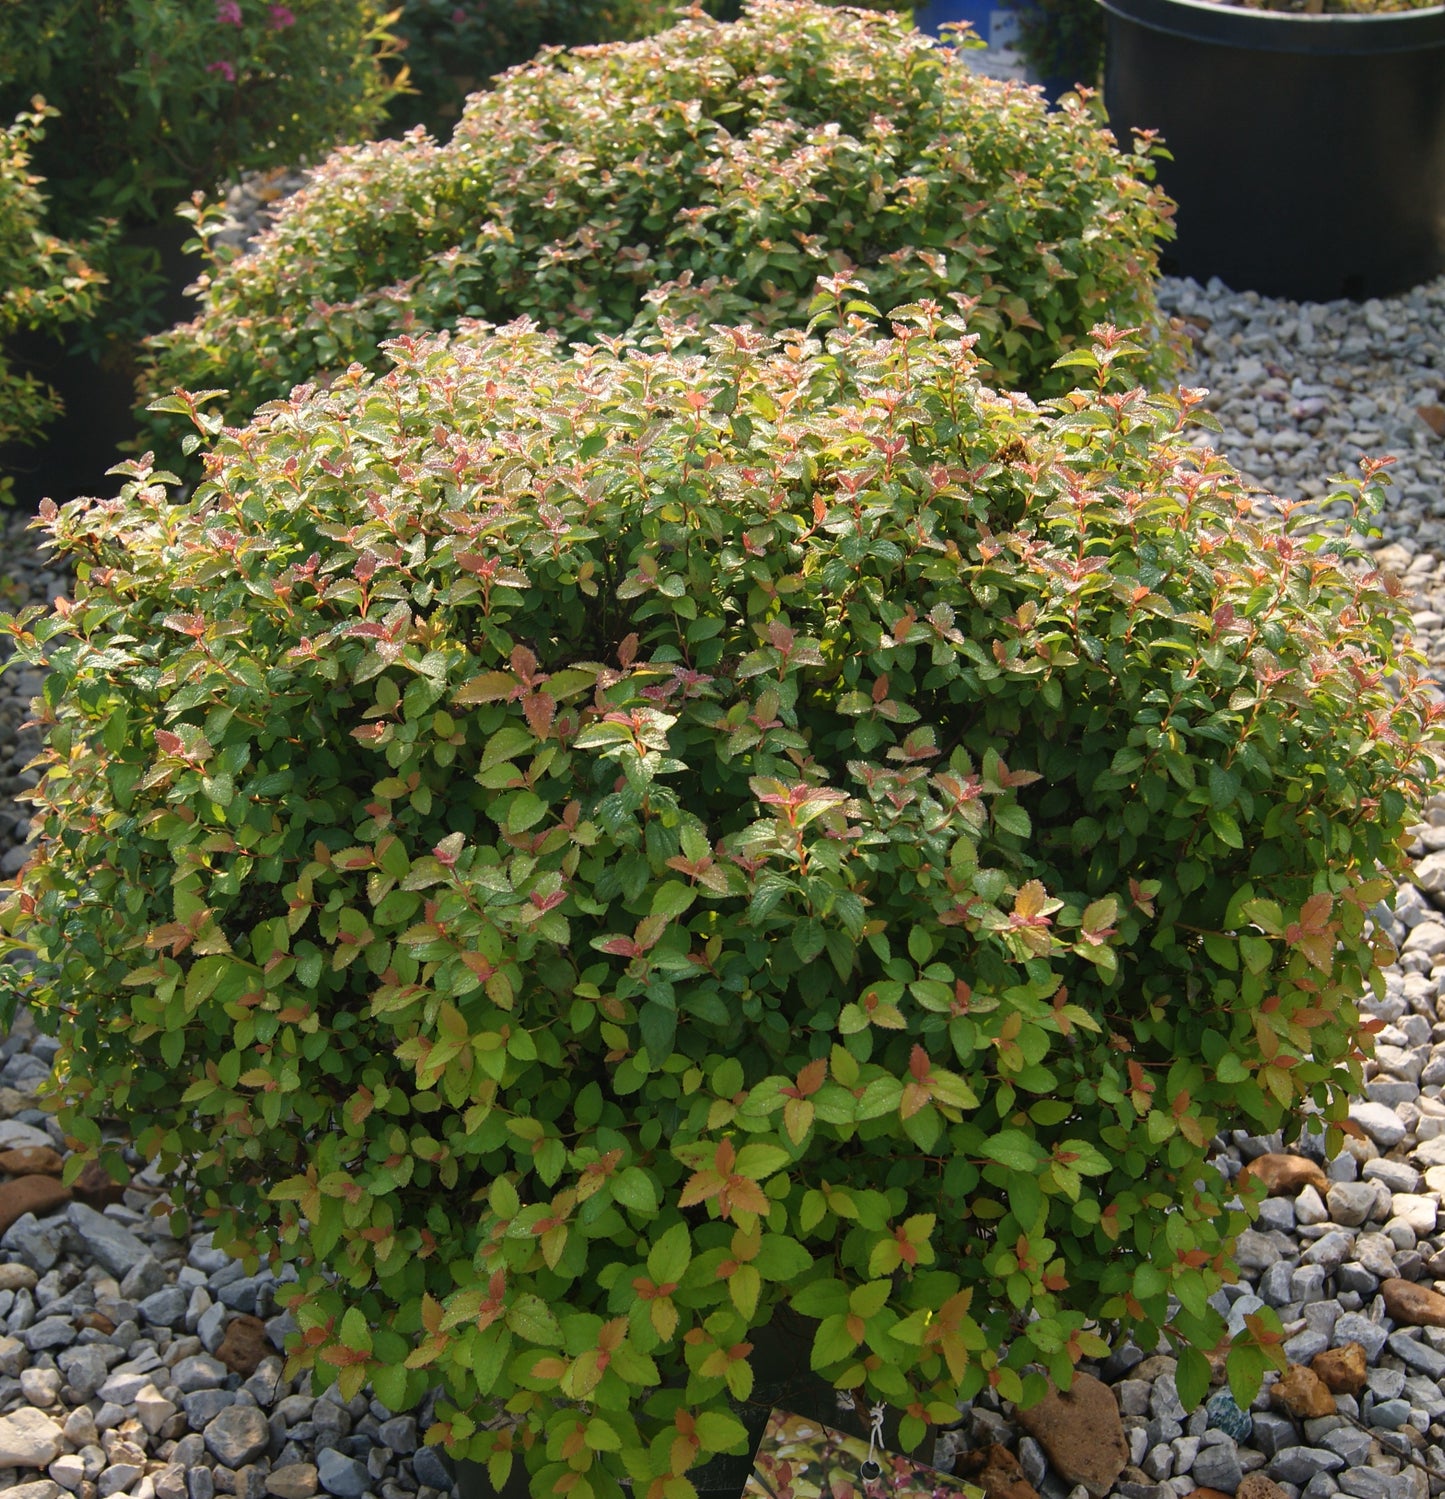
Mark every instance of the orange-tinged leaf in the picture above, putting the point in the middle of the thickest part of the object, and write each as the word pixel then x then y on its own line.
pixel 1030 900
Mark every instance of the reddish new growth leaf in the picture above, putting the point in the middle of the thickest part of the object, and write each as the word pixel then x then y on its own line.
pixel 734 1192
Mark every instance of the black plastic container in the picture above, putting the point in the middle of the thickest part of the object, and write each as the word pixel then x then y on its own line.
pixel 1309 150
pixel 98 391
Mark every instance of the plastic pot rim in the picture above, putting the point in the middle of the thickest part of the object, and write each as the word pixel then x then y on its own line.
pixel 1283 31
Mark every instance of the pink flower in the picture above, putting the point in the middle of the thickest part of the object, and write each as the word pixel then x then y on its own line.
pixel 281 17
pixel 458 16
pixel 228 13
pixel 224 69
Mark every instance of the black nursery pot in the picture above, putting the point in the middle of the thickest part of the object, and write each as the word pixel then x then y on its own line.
pixel 1309 150
pixel 98 394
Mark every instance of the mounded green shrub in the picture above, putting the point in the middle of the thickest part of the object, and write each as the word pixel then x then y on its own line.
pixel 45 282
pixel 712 172
pixel 576 852
pixel 451 47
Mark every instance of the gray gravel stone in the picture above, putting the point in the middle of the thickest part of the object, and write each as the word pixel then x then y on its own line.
pixel 109 1243
pixel 1330 1251
pixel 1379 1122
pixel 430 1469
pixel 1300 1464
pixel 199 1372
pixel 1417 1355
pixel 238 1435
pixel 340 1475
pixel 1218 1467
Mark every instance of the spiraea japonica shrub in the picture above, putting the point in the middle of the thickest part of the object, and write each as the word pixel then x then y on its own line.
pixel 713 171
pixel 576 852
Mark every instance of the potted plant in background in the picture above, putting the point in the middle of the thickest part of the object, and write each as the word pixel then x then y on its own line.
pixel 585 853
pixel 1307 146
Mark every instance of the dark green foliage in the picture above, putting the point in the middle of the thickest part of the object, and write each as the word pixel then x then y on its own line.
pixel 584 850
pixel 1063 39
pixel 452 47
pixel 710 173
pixel 45 282
pixel 158 99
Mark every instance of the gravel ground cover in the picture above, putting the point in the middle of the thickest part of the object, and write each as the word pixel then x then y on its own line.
pixel 135 1364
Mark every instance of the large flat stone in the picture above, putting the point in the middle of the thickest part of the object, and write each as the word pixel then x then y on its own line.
pixel 112 1245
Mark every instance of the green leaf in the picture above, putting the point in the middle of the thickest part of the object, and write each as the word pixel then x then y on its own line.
pixel 1257 952
pixel 1014 1149
pixel 658 1025
pixel 823 1298
pixel 505 745
pixel 525 810
pixel 761 1161
pixel 719 1431
pixel 869 1299
pixel 532 1319
pixel 1230 1069
pixel 502 1198
pixel 634 1188
pixel 1226 829
pixel 355 1334
pixel 783 1259
pixel 390 1383
pixel 672 898
pixel 670 1256
pixel 832 1342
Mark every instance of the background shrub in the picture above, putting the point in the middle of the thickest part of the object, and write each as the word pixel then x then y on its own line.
pixel 160 98
pixel 620 842
pixel 1063 39
pixel 712 172
pixel 453 47
pixel 450 48
pixel 44 282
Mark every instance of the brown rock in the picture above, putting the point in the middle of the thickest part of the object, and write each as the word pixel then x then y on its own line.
pixel 94 1187
pixel 1081 1433
pixel 244 1345
pixel 1415 1306
pixel 31 1160
pixel 1304 1394
pixel 1434 417
pixel 97 1320
pixel 29 1194
pixel 1208 1493
pixel 1257 1486
pixel 1343 1370
pixel 1285 1175
pixel 997 1471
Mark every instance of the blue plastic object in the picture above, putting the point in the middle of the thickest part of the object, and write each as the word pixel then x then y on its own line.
pixel 992 21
